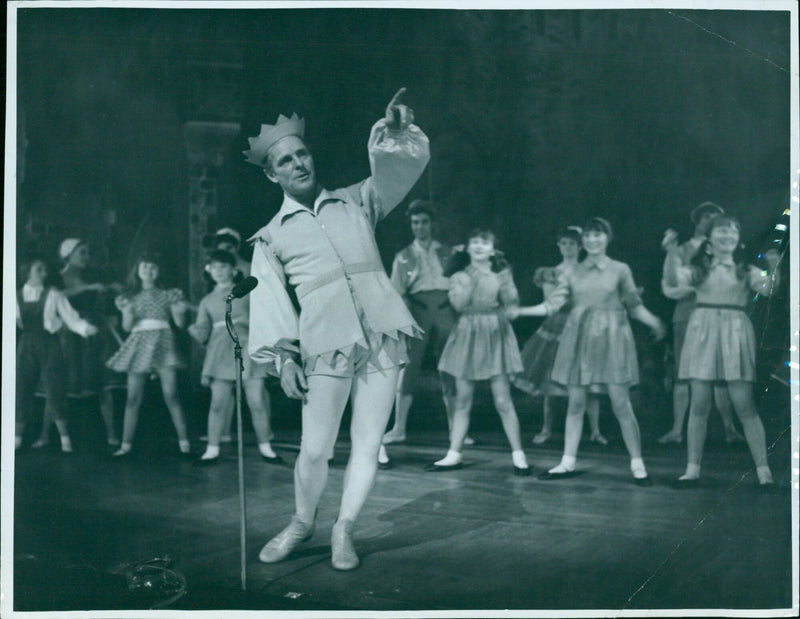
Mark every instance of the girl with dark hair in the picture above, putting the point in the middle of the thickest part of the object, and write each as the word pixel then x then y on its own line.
pixel 597 349
pixel 41 312
pixel 720 341
pixel 539 351
pixel 482 346
pixel 151 347
pixel 219 368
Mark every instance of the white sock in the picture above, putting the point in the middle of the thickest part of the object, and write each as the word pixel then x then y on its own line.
pixel 123 449
pixel 637 468
pixel 692 472
pixel 66 444
pixel 266 450
pixel 519 459
pixel 17 442
pixel 212 451
pixel 452 457
pixel 383 457
pixel 567 465
pixel 764 475
pixel 184 446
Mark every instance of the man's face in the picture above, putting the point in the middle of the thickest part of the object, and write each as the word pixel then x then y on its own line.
pixel 704 221
pixel 292 167
pixel 421 226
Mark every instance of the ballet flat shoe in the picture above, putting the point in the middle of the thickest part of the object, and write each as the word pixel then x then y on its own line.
pixel 385 466
pixel 681 484
pixel 206 461
pixel 343 553
pixel 274 460
pixel 523 472
pixel 390 438
pixel 436 468
pixel 280 546
pixel 644 482
pixel 547 475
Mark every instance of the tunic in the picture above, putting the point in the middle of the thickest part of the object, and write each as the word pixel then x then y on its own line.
pixel 597 346
pixel 720 341
pixel 330 257
pixel 151 346
pixel 209 329
pixel 482 344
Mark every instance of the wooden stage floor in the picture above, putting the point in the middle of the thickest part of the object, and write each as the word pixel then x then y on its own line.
pixel 475 539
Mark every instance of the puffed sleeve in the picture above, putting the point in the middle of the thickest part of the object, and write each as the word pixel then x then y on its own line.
pixel 201 329
pixel 627 288
pixel 396 160
pixel 274 329
pixel 174 295
pixel 509 296
pixel 64 310
pixel 461 287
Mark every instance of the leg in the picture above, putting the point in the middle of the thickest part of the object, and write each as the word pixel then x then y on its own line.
pixel 53 377
pixel 680 402
pixel 27 375
pixel 741 394
pixel 722 400
pixel 402 404
pixel 221 399
pixel 547 422
pixel 573 428
pixel 169 389
pixel 47 428
pixel 699 409
pixel 107 412
pixel 465 391
pixel 621 405
pixel 593 413
pixel 132 403
pixel 259 414
pixel 501 393
pixel 228 420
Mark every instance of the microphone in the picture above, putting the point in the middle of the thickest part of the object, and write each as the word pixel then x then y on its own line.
pixel 243 288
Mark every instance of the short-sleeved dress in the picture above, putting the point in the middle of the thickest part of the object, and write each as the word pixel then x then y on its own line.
pixel 151 346
pixel 482 344
pixel 209 329
pixel 596 347
pixel 720 340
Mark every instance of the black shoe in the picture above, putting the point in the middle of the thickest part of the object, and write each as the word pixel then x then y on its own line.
pixel 436 468
pixel 681 484
pixel 272 460
pixel 206 461
pixel 547 475
pixel 385 466
pixel 644 482
pixel 520 472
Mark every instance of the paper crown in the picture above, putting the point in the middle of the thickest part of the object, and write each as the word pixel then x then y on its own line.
pixel 229 232
pixel 260 145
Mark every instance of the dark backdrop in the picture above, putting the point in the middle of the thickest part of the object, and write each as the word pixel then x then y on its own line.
pixel 537 119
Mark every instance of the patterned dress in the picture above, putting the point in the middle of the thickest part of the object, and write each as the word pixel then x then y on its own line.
pixel 151 346
pixel 482 345
pixel 209 329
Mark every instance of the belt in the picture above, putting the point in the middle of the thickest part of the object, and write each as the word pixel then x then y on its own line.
pixel 337 273
pixel 150 324
pixel 722 306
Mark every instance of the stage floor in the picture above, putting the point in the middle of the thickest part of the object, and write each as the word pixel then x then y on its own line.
pixel 478 538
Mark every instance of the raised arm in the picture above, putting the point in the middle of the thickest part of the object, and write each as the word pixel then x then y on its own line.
pixel 763 282
pixel 201 329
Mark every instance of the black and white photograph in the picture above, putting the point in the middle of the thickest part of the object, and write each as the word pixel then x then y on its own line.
pixel 407 309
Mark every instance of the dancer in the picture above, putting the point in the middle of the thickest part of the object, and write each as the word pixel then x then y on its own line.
pixel 41 313
pixel 86 375
pixel 539 351
pixel 482 346
pixel 352 326
pixel 219 367
pixel 150 348
pixel 701 216
pixel 597 349
pixel 720 343
pixel 417 273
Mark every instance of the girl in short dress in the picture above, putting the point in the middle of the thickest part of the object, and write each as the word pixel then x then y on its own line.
pixel 219 367
pixel 539 351
pixel 41 313
pixel 150 348
pixel 482 345
pixel 597 349
pixel 720 341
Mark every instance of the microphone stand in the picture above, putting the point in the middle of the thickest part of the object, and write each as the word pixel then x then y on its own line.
pixel 237 353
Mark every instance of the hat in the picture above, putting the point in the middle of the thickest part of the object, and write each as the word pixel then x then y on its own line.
pixel 702 209
pixel 270 134
pixel 67 247
pixel 229 232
